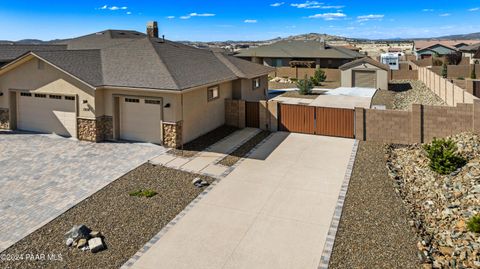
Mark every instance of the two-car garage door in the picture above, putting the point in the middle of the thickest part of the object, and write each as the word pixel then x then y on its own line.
pixel 364 79
pixel 141 119
pixel 47 113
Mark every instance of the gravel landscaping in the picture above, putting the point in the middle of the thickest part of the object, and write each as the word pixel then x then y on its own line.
pixel 296 94
pixel 127 222
pixel 244 149
pixel 373 230
pixel 441 206
pixel 201 143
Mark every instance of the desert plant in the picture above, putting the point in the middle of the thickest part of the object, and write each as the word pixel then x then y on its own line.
pixel 444 70
pixel 443 156
pixel 305 86
pixel 473 75
pixel 319 77
pixel 143 193
pixel 473 224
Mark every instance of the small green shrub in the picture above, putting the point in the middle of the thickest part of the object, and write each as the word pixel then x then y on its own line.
pixel 473 224
pixel 305 86
pixel 460 78
pixel 318 77
pixel 143 193
pixel 444 70
pixel 473 74
pixel 443 157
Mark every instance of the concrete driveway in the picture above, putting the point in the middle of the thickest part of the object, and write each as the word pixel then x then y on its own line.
pixel 274 211
pixel 41 176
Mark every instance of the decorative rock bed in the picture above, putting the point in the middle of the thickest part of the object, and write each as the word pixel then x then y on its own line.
pixel 441 205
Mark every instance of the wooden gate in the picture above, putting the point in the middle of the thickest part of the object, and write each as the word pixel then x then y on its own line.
pixel 296 118
pixel 252 115
pixel 338 122
pixel 327 121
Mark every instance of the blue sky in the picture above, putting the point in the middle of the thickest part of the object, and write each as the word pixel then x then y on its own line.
pixel 207 20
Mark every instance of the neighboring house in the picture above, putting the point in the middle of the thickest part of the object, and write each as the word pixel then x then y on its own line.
pixel 124 85
pixel 300 53
pixel 470 52
pixel 476 57
pixel 426 49
pixel 391 59
pixel 365 73
pixel 9 52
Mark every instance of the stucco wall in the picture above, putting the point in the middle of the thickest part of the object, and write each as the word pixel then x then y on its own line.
pixel 382 76
pixel 47 80
pixel 201 116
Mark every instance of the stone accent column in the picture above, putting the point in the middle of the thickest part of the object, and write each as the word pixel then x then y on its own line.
pixel 4 118
pixel 172 134
pixel 272 107
pixel 104 126
pixel 360 132
pixel 417 123
pixel 264 118
pixel 87 129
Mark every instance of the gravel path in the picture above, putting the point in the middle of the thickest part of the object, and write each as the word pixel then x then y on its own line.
pixel 403 93
pixel 201 143
pixel 244 149
pixel 127 222
pixel 373 230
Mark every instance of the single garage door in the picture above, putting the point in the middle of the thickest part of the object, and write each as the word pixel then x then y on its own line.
pixel 364 79
pixel 47 113
pixel 140 119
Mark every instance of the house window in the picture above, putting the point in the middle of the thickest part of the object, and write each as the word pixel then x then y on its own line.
pixel 152 102
pixel 132 100
pixel 256 83
pixel 25 94
pixel 55 96
pixel 71 98
pixel 39 95
pixel 213 93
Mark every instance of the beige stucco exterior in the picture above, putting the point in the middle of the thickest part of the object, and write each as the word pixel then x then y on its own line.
pixel 188 110
pixel 381 81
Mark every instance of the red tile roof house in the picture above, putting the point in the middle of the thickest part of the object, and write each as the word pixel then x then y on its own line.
pixel 123 85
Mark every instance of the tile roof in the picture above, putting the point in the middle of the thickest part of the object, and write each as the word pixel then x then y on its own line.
pixel 363 61
pixel 300 49
pixel 9 52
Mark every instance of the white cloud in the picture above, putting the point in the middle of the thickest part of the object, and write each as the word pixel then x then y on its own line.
pixel 104 7
pixel 250 21
pixel 428 10
pixel 308 4
pixel 445 15
pixel 370 17
pixel 186 17
pixel 328 16
pixel 277 4
pixel 474 9
pixel 170 17
pixel 332 7
pixel 129 13
pixel 113 8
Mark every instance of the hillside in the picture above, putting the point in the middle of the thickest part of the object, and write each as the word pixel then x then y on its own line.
pixel 462 37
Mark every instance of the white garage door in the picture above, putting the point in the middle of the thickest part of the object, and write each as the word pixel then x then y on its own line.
pixel 364 79
pixel 140 119
pixel 46 113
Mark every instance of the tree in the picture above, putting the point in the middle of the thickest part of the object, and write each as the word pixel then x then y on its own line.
pixel 444 70
pixel 473 75
pixel 319 77
pixel 305 86
pixel 454 58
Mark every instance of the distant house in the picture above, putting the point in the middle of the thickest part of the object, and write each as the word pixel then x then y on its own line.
pixel 471 52
pixel 125 85
pixel 300 53
pixel 426 49
pixel 391 59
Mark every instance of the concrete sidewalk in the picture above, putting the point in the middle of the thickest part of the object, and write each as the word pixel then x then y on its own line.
pixel 205 161
pixel 273 211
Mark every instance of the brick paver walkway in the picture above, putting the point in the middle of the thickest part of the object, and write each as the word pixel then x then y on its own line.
pixel 41 176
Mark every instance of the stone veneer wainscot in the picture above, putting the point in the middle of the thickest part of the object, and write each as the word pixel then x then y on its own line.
pixel 4 118
pixel 172 134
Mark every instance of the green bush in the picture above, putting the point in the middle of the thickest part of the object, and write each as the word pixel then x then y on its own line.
pixel 473 75
pixel 444 70
pixel 443 157
pixel 319 77
pixel 143 193
pixel 473 224
pixel 305 86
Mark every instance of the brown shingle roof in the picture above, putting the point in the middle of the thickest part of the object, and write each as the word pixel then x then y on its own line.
pixel 9 52
pixel 363 61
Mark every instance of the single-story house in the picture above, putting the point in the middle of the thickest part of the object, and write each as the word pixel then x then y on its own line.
pixel 470 52
pixel 124 85
pixel 429 48
pixel 365 73
pixel 300 53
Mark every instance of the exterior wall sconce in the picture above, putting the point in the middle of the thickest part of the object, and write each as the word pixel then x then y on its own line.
pixel 167 105
pixel 1 93
pixel 85 101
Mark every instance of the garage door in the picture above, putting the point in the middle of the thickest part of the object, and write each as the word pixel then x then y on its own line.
pixel 140 119
pixel 47 113
pixel 364 79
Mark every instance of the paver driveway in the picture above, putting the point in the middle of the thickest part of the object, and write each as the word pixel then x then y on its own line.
pixel 273 211
pixel 41 176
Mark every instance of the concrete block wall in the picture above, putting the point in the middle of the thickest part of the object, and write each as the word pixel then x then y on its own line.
pixel 235 113
pixel 403 74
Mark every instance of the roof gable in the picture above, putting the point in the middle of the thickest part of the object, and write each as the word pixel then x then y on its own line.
pixel 365 60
